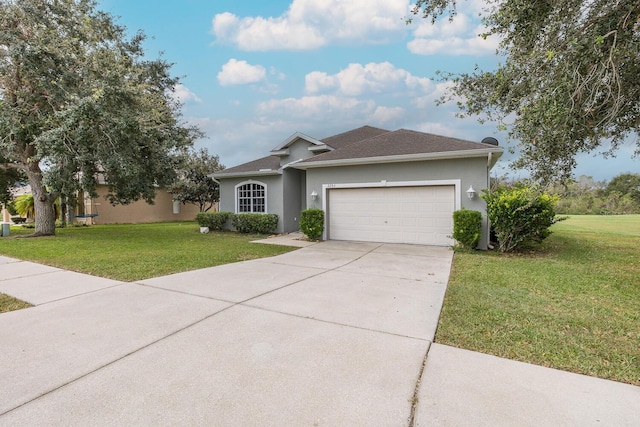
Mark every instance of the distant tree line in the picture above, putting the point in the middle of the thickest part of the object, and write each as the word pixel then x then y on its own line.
pixel 586 196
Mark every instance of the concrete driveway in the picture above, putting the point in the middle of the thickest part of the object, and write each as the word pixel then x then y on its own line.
pixel 332 334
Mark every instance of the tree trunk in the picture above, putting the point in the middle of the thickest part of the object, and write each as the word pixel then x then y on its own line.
pixel 42 202
pixel 63 211
pixel 45 217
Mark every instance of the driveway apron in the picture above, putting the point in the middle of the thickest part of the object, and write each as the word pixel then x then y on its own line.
pixel 332 334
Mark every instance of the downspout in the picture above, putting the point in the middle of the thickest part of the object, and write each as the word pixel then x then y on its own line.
pixel 489 159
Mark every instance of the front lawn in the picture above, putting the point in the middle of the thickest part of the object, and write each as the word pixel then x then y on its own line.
pixel 131 252
pixel 574 305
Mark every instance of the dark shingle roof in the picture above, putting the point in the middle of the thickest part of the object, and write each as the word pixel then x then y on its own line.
pixel 269 162
pixel 396 143
pixel 355 135
pixel 367 142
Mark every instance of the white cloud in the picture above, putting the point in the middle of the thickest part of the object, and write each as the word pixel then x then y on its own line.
pixel 182 94
pixel 438 91
pixel 236 72
pixel 321 108
pixel 461 36
pixel 357 79
pixel 310 24
pixel 384 115
pixel 277 74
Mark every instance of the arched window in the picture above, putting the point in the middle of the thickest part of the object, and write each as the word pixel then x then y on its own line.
pixel 251 197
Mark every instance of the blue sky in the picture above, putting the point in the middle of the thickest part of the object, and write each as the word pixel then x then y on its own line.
pixel 255 72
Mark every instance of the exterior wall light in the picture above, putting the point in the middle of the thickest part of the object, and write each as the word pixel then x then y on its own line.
pixel 471 193
pixel 314 195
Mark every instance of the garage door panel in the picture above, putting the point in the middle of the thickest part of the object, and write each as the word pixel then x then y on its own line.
pixel 443 223
pixel 420 215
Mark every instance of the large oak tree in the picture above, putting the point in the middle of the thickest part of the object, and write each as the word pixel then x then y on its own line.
pixel 81 104
pixel 569 83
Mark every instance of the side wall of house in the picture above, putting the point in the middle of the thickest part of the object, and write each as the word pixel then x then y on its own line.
pixel 138 212
pixel 470 172
pixel 274 184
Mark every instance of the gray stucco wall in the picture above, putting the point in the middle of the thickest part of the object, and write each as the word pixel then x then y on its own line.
pixel 470 172
pixel 293 184
pixel 274 195
pixel 299 150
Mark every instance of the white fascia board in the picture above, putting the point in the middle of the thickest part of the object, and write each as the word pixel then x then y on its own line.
pixel 295 136
pixel 323 147
pixel 280 153
pixel 290 164
pixel 400 158
pixel 244 174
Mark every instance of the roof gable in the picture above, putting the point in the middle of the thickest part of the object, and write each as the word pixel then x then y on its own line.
pixel 293 138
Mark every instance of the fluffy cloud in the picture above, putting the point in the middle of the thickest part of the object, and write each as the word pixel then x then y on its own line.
pixel 236 72
pixel 182 94
pixel 461 36
pixel 310 24
pixel 357 80
pixel 387 115
pixel 321 108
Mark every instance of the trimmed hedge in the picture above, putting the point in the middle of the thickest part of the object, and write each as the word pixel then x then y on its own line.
pixel 467 227
pixel 255 223
pixel 213 220
pixel 312 223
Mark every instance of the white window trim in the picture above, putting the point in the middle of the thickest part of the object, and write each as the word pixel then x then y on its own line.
pixel 380 184
pixel 250 181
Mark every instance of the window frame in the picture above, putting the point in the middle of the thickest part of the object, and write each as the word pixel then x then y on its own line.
pixel 252 197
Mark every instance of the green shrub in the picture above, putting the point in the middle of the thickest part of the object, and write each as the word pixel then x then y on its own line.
pixel 467 227
pixel 520 216
pixel 213 220
pixel 255 223
pixel 312 223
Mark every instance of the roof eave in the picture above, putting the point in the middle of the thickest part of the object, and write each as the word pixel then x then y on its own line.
pixel 497 152
pixel 320 148
pixel 245 174
pixel 494 158
pixel 280 153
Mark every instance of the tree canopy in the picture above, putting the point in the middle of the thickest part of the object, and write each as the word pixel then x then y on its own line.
pixel 625 184
pixel 194 185
pixel 569 81
pixel 80 103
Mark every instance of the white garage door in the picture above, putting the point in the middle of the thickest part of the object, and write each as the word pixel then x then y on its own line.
pixel 418 215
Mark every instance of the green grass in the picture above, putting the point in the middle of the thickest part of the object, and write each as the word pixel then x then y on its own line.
pixel 135 251
pixel 9 303
pixel 572 305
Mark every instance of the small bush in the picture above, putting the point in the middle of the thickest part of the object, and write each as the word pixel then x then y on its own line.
pixel 312 223
pixel 520 216
pixel 213 220
pixel 255 223
pixel 467 227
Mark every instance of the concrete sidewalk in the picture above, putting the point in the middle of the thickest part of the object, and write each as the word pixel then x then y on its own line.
pixel 333 334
